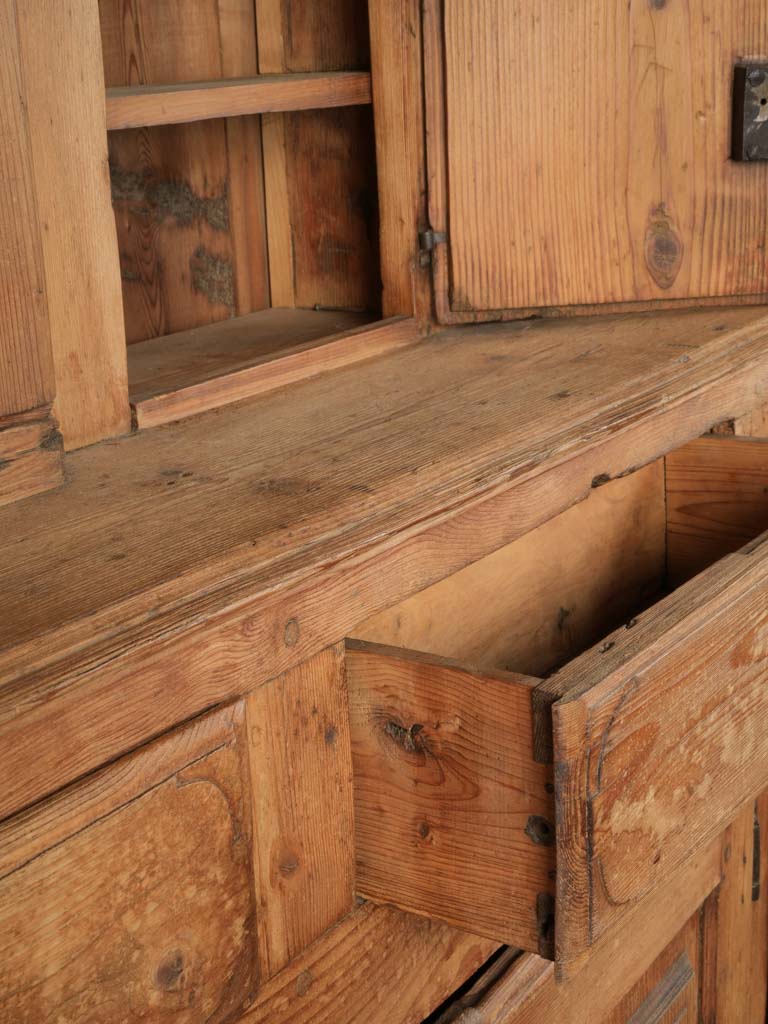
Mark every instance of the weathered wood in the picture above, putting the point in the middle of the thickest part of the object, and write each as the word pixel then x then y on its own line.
pixel 64 82
pixel 134 889
pixel 538 176
pixel 717 500
pixel 30 455
pixel 660 737
pixel 144 105
pixel 453 816
pixel 207 367
pixel 312 510
pixel 301 778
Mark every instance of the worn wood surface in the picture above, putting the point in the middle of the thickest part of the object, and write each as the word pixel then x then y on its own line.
pixel 31 459
pixel 717 500
pixel 301 778
pixel 63 75
pixel 659 739
pixel 97 919
pixel 207 367
pixel 553 202
pixel 310 509
pixel 144 105
pixel 453 818
pixel 542 599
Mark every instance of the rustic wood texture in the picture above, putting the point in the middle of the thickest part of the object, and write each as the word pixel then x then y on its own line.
pixel 542 599
pixel 529 993
pixel 188 199
pixel 64 84
pixel 141 106
pixel 30 455
pixel 660 737
pixel 612 186
pixel 717 500
pixel 301 775
pixel 753 424
pixel 207 367
pixel 27 380
pixel 98 922
pixel 453 817
pixel 321 512
pixel 378 965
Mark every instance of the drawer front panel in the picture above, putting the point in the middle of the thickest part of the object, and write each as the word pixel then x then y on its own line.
pixel 659 739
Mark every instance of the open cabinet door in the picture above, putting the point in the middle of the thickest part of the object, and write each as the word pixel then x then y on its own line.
pixel 579 156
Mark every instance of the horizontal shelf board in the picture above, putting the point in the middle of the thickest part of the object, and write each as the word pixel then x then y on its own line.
pixel 190 372
pixel 145 105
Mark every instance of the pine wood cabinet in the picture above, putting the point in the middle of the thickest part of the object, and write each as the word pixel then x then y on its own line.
pixel 384 486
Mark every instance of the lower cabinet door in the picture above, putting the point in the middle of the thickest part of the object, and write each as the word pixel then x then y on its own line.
pixel 539 813
pixel 128 897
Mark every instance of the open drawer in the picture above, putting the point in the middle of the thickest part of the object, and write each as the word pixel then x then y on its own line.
pixel 536 811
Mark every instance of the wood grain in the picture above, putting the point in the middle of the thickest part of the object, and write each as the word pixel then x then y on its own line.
pixel 550 200
pixel 453 818
pixel 717 500
pixel 659 740
pixel 99 918
pixel 301 776
pixel 64 80
pixel 428 464
pixel 144 105
pixel 31 458
pixel 207 367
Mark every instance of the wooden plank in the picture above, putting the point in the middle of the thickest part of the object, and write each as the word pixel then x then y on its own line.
pixel 319 512
pixel 717 500
pixel 301 774
pixel 27 380
pixel 144 105
pixel 545 597
pixel 378 964
pixel 118 860
pixel 208 367
pixel 659 740
pixel 453 816
pixel 550 205
pixel 621 964
pixel 64 80
pixel 31 458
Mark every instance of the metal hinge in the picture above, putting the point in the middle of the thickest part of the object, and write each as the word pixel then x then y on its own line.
pixel 428 241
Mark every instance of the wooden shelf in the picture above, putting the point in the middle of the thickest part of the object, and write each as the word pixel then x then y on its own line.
pixel 192 371
pixel 142 106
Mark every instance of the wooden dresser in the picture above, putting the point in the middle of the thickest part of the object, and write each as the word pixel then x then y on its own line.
pixel 384 479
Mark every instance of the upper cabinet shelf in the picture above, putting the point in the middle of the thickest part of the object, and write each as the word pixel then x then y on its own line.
pixel 145 105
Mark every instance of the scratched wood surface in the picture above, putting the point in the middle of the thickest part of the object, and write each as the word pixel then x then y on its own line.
pixel 580 155
pixel 659 740
pixel 428 465
pixel 131 895
pixel 453 816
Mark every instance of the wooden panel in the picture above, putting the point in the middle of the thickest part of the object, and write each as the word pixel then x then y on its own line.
pixel 377 965
pixel 64 82
pixel 30 455
pixel 301 770
pixel 190 372
pixel 660 737
pixel 140 106
pixel 717 500
pixel 542 599
pixel 453 819
pixel 188 199
pixel 551 199
pixel 25 344
pixel 392 493
pixel 151 858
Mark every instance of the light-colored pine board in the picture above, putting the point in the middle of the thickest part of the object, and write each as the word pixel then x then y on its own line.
pixel 64 78
pixel 301 779
pixel 145 105
pixel 207 367
pixel 550 198
pixel 453 817
pixel 717 500
pixel 319 505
